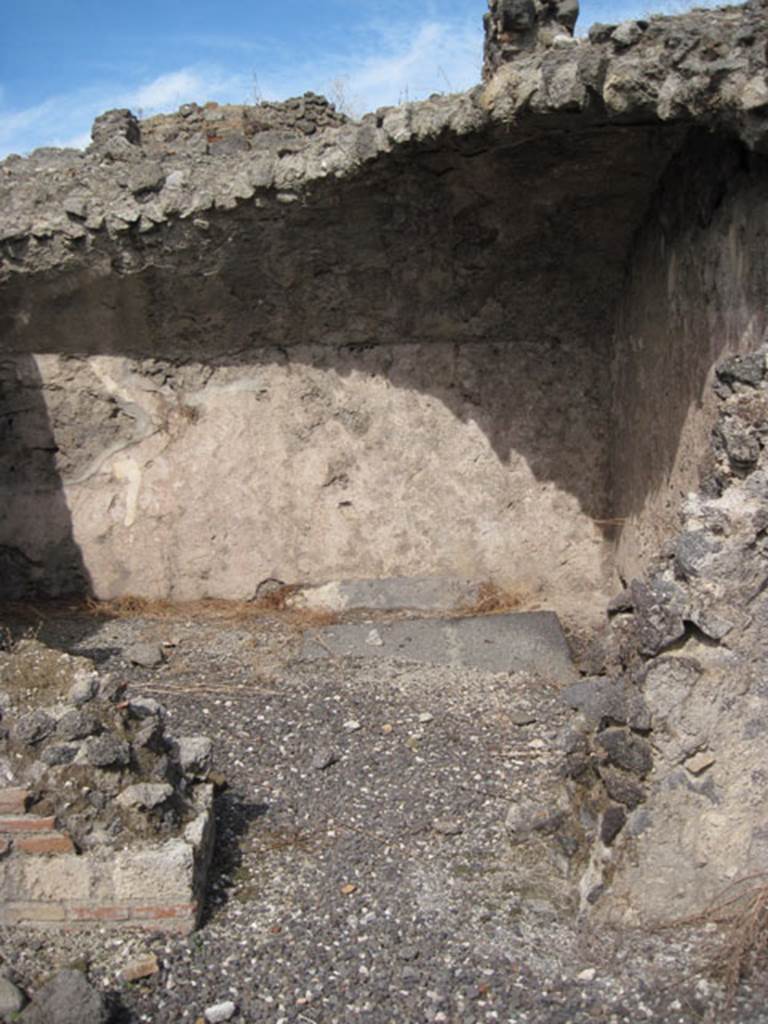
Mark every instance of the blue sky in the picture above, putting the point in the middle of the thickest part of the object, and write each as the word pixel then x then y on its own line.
pixel 64 61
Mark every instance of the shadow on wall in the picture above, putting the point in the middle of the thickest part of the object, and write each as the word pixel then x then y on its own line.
pixel 486 282
pixel 45 560
pixel 696 291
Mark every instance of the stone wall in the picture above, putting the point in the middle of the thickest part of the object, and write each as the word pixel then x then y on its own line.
pixel 696 286
pixel 45 882
pixel 104 816
pixel 312 465
pixel 667 754
pixel 311 349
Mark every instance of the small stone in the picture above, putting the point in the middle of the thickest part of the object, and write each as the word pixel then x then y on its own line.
pixel 111 689
pixel 194 754
pixel 699 763
pixel 145 795
pixel 425 717
pixel 143 967
pixel 374 639
pixel 744 369
pixel 59 753
pixel 626 34
pixel 387 728
pixel 145 655
pixel 77 725
pixel 144 707
pixel 408 953
pixel 84 689
pixel 623 788
pixel 347 889
pixel 626 750
pixel 352 726
pixel 105 751
pixel 448 826
pixel 614 820
pixel 324 759
pixel 149 735
pixel 587 975
pixel 12 999
pixel 528 816
pixel 34 727
pixel 741 446
pixel 220 1012
pixel 522 718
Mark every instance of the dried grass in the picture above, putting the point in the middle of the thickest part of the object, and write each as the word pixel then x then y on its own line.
pixel 274 603
pixel 738 949
pixel 491 599
pixel 741 913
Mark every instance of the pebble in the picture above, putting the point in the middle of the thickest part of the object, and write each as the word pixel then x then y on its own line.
pixel 84 689
pixel 448 826
pixel 324 759
pixel 145 655
pixel 425 717
pixel 587 975
pixel 220 1012
pixel 143 967
pixel 699 763
pixel 352 726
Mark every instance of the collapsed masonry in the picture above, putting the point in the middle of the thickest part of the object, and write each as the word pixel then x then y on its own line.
pixel 471 337
pixel 666 756
pixel 104 817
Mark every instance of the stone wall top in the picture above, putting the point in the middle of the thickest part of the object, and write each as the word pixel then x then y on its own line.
pixel 705 68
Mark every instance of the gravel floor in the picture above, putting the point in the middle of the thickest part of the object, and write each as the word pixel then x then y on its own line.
pixel 362 869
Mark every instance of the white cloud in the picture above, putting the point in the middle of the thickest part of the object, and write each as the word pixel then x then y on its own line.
pixel 65 120
pixel 397 62
pixel 383 64
pixel 439 58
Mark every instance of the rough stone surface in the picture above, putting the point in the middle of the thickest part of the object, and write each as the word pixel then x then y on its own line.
pixel 194 754
pixel 12 999
pixel 689 637
pixel 68 998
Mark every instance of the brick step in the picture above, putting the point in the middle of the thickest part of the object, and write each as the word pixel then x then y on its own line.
pixel 14 800
pixel 44 842
pixel 17 823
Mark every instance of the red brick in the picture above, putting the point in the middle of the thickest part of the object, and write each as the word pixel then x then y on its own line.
pixel 14 800
pixel 95 913
pixel 165 910
pixel 49 842
pixel 27 823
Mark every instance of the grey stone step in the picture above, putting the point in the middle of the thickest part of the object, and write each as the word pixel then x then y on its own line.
pixel 392 593
pixel 509 642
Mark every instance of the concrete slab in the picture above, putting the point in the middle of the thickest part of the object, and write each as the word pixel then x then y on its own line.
pixel 510 642
pixel 392 593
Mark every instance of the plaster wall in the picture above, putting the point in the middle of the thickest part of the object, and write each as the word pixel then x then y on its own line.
pixel 182 481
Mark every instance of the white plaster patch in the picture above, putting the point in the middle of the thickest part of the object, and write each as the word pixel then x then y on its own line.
pixel 127 471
